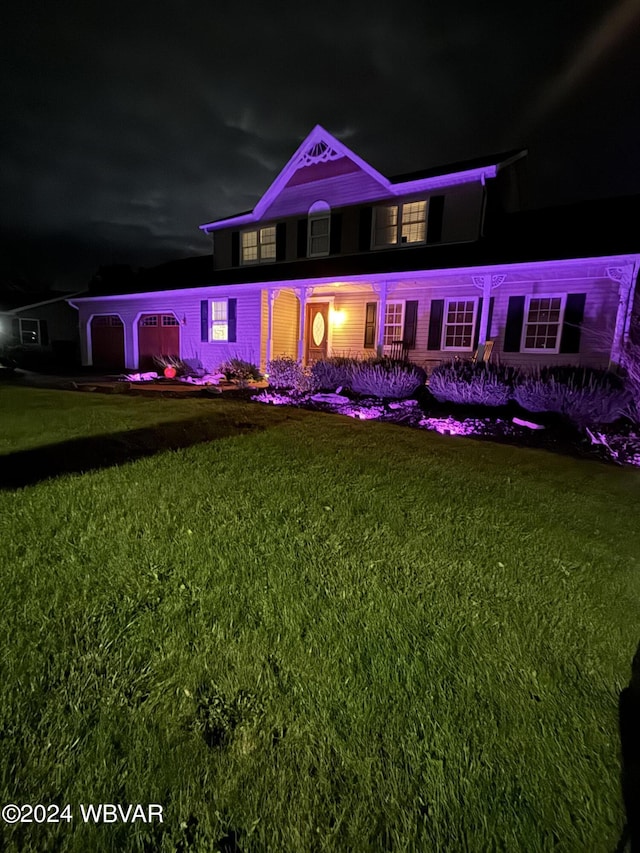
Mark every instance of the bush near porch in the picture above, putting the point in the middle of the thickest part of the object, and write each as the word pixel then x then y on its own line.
pixel 382 377
pixel 308 632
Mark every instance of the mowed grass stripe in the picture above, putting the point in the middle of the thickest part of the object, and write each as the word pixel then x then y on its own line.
pixel 323 635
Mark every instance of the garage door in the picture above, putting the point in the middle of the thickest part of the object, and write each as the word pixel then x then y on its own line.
pixel 158 334
pixel 107 342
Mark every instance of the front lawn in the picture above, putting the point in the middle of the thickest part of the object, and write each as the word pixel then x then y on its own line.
pixel 308 633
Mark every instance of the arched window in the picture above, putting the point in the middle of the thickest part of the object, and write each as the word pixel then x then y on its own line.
pixel 319 231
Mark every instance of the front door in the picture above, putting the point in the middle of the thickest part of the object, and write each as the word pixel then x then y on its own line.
pixel 317 326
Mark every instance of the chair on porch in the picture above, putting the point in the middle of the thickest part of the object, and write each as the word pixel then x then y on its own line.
pixel 398 351
pixel 483 353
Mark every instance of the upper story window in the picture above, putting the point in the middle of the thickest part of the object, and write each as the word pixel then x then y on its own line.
pixel 319 231
pixel 543 322
pixel 259 246
pixel 400 224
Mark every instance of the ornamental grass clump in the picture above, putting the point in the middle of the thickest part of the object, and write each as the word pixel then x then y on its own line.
pixel 286 373
pixel 582 395
pixel 240 371
pixel 389 379
pixel 476 384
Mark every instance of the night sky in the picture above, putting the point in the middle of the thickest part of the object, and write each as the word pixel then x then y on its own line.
pixel 126 125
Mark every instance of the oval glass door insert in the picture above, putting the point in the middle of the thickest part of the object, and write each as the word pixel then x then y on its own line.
pixel 318 329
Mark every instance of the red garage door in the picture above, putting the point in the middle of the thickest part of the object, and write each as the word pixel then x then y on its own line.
pixel 107 342
pixel 158 334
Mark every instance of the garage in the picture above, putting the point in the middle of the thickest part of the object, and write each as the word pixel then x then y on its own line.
pixel 107 342
pixel 158 335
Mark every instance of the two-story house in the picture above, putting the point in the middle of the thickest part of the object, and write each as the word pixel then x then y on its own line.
pixel 337 259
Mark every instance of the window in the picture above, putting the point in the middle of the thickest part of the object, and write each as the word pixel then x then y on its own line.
pixel 151 320
pixel 219 320
pixel 106 320
pixel 169 320
pixel 459 324
pixel 543 321
pixel 393 323
pixel 259 246
pixel 29 331
pixel 319 227
pixel 400 224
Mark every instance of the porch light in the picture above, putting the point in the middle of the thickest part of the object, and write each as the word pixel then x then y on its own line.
pixel 338 316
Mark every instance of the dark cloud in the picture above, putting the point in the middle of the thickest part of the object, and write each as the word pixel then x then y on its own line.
pixel 128 125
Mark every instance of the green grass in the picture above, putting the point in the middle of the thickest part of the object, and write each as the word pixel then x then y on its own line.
pixel 318 635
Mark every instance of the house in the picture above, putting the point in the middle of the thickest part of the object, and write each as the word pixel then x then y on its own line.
pixel 336 258
pixel 38 326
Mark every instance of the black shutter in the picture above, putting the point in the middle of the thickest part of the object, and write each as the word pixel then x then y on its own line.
pixel 302 237
pixel 281 241
pixel 15 330
pixel 436 319
pixel 410 324
pixel 231 320
pixel 370 325
pixel 435 212
pixel 204 321
pixel 364 231
pixel 490 317
pixel 235 248
pixel 44 334
pixel 513 329
pixel 476 334
pixel 573 317
pixel 335 234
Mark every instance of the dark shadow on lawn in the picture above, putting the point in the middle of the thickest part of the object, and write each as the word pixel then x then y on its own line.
pixel 28 467
pixel 629 721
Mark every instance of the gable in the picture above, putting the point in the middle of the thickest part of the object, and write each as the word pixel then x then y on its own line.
pixel 317 170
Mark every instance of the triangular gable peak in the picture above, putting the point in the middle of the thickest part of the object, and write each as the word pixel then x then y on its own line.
pixel 320 159
pixel 323 169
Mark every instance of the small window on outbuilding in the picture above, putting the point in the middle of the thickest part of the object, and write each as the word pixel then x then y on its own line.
pixel 30 331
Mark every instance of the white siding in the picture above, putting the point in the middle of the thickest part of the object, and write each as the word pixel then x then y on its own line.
pixel 338 191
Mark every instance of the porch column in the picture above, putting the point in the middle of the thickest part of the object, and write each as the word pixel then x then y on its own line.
pixel 381 288
pixel 486 283
pixel 301 293
pixel 271 298
pixel 625 276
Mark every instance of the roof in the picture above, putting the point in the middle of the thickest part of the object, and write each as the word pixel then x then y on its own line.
pixel 462 166
pixel 592 229
pixel 321 147
pixel 14 298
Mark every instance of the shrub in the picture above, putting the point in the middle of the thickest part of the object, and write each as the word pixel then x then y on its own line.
pixel 394 380
pixel 333 372
pixel 582 395
pixel 286 372
pixel 480 384
pixel 240 371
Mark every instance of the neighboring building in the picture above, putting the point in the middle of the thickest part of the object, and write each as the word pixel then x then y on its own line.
pixel 335 258
pixel 39 326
